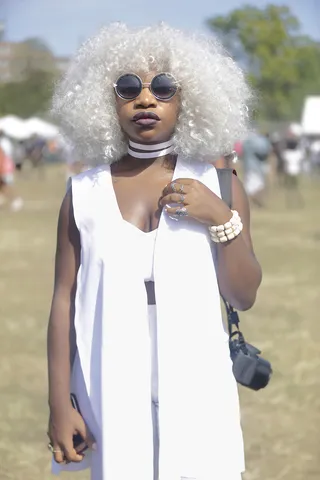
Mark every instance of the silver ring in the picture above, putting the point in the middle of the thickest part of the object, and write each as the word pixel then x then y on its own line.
pixel 174 187
pixel 181 188
pixel 182 198
pixel 52 449
pixel 181 212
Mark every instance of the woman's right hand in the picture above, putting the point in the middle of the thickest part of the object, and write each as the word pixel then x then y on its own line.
pixel 64 422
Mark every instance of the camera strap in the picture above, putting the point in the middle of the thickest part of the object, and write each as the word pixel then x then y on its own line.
pixel 233 319
pixel 249 370
pixel 225 182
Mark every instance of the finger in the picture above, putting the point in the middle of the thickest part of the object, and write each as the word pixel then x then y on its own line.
pixel 71 454
pixel 58 455
pixel 87 436
pixel 80 449
pixel 177 211
pixel 173 198
pixel 177 187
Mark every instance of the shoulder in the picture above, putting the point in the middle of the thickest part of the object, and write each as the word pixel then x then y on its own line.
pixel 238 189
pixel 91 174
pixel 88 179
pixel 85 190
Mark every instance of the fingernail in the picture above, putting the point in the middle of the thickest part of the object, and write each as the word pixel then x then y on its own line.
pixel 94 446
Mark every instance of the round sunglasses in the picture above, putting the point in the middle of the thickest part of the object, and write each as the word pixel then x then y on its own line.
pixel 129 86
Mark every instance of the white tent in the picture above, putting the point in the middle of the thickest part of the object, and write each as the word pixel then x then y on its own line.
pixel 311 116
pixel 14 127
pixel 36 126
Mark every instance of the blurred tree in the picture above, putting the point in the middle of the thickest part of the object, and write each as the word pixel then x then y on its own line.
pixel 29 97
pixel 283 66
pixel 31 55
pixel 33 72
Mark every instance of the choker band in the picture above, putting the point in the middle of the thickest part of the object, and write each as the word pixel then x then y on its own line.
pixel 148 148
pixel 149 154
pixel 150 151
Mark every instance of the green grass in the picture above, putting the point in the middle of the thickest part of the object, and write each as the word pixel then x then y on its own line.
pixel 280 424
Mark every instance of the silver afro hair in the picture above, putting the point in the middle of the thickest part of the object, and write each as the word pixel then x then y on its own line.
pixel 214 94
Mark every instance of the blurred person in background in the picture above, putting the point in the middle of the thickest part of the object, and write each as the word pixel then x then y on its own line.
pixel 255 154
pixel 35 150
pixel 7 169
pixel 19 154
pixel 294 154
pixel 314 152
pixel 140 265
pixel 277 148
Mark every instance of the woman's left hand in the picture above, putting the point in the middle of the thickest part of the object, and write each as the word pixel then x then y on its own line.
pixel 194 200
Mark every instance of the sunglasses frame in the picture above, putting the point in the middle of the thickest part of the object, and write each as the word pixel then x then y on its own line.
pixel 146 85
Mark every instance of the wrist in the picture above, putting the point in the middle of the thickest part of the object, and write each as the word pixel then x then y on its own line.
pixel 62 409
pixel 226 231
pixel 58 402
pixel 223 216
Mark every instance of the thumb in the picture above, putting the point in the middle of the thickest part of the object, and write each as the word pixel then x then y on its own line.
pixel 87 436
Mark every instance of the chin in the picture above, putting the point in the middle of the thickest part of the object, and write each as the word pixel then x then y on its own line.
pixel 149 136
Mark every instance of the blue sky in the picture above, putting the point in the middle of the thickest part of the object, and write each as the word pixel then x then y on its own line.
pixel 63 24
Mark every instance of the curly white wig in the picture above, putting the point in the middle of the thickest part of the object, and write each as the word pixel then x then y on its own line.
pixel 214 94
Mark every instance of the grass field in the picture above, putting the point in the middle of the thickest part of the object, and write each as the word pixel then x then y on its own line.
pixel 281 424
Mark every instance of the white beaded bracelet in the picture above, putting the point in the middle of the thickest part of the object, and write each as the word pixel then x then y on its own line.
pixel 228 231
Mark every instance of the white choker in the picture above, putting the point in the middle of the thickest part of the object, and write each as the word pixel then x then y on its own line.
pixel 150 151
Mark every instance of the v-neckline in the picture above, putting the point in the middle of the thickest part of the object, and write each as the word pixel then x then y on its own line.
pixel 117 204
pixel 139 229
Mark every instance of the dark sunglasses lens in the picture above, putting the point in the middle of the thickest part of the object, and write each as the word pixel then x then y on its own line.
pixel 163 86
pixel 128 86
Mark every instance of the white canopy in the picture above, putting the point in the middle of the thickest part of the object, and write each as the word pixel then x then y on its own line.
pixel 311 116
pixel 14 127
pixel 37 126
pixel 20 129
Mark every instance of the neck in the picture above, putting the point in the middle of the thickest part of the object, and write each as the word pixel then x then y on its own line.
pixel 133 164
pixel 147 151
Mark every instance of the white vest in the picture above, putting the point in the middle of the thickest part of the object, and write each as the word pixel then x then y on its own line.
pixel 200 433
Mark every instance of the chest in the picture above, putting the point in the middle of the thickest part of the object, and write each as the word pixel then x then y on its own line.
pixel 138 197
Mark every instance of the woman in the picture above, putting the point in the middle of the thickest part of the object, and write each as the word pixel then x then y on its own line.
pixel 140 262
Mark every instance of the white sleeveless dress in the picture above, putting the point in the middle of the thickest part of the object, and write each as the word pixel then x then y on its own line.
pixel 91 191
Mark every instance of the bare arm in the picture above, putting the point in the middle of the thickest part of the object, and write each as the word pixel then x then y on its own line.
pixel 239 273
pixel 61 337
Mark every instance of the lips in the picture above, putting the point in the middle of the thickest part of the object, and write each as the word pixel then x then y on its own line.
pixel 146 118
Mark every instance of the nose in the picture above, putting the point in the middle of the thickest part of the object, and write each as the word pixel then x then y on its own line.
pixel 146 99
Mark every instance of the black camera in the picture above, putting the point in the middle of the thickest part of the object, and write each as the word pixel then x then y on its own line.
pixel 249 369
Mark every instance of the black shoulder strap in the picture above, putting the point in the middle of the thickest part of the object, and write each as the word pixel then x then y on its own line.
pixel 225 181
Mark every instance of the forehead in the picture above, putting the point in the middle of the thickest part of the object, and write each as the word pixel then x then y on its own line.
pixel 145 66
pixel 148 76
